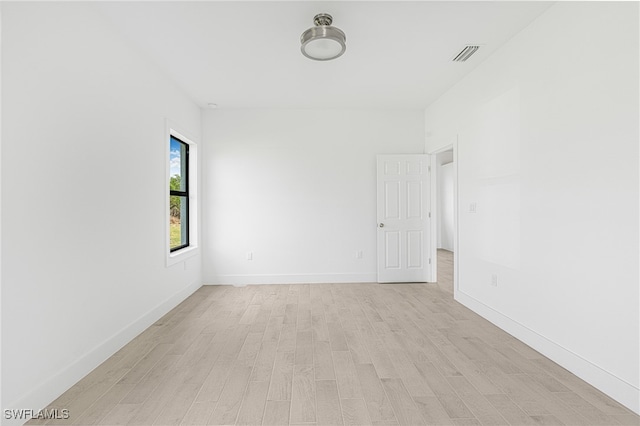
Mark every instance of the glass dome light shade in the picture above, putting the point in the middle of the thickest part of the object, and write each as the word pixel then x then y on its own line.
pixel 323 43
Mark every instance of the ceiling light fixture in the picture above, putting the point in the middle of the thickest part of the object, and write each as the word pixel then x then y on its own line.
pixel 323 42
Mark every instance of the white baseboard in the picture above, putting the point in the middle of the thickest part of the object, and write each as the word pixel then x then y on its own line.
pixel 55 386
pixel 239 280
pixel 620 390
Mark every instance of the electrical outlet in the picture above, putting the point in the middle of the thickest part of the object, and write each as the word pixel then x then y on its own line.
pixel 249 255
pixel 472 208
pixel 494 280
pixel 359 254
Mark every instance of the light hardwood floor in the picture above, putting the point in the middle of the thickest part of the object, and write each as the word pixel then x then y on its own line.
pixel 352 354
pixel 445 271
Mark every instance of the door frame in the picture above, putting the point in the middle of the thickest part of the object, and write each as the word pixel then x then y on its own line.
pixel 453 145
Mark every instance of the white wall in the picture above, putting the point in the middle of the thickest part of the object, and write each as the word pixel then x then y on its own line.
pixel 83 197
pixel 297 189
pixel 445 206
pixel 548 150
pixel 0 204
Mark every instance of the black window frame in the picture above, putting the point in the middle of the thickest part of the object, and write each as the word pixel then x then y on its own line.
pixel 184 194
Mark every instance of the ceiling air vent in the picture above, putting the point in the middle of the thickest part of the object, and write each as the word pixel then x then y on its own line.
pixel 466 53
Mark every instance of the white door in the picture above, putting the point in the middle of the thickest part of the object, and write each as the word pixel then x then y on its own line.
pixel 403 218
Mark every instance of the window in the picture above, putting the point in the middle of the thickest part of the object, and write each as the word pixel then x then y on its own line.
pixel 181 208
pixel 178 194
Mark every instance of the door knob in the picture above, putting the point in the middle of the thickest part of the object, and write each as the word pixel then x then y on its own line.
pixel 381 225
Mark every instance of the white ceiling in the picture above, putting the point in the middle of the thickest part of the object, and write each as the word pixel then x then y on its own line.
pixel 247 54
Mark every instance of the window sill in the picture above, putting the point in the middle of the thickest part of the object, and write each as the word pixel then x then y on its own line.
pixel 181 255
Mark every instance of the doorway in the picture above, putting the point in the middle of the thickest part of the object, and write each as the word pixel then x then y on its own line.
pixel 444 226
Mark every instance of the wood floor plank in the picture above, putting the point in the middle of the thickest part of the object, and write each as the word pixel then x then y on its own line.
pixel 151 380
pixel 293 294
pixel 276 413
pixel 411 377
pixel 287 341
pixel 177 406
pixel 85 383
pixel 141 368
pixel 103 405
pixel 354 412
pixel 455 406
pixel 185 337
pixel 199 413
pixel 230 400
pixel 273 329
pixel 303 395
pixel 304 348
pixel 323 361
pixel 467 422
pixel 92 393
pixel 278 309
pixel 548 419
pixel 250 348
pixel 236 339
pixel 509 410
pixel 451 402
pixel 589 413
pixel 474 400
pixel 551 403
pixel 599 400
pixel 369 309
pixel 403 406
pixel 319 327
pixel 524 396
pixel 151 408
pixel 433 353
pixel 265 360
pixel 290 313
pixel 215 380
pixel 358 315
pixel 331 312
pixel 346 375
pixel 493 421
pixel 378 404
pixel 280 385
pixel 432 411
pixel 469 370
pixel 304 316
pixel 336 337
pixel 250 314
pixel 627 419
pixel 358 350
pixel 329 411
pixel 190 367
pixel 379 356
pixel 252 408
pixel 305 294
pixel 120 415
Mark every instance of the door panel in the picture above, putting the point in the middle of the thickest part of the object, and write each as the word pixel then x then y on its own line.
pixel 414 200
pixel 414 245
pixel 403 218
pixel 392 249
pixel 392 200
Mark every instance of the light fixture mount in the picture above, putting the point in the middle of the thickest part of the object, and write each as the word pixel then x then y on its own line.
pixel 323 42
pixel 322 19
